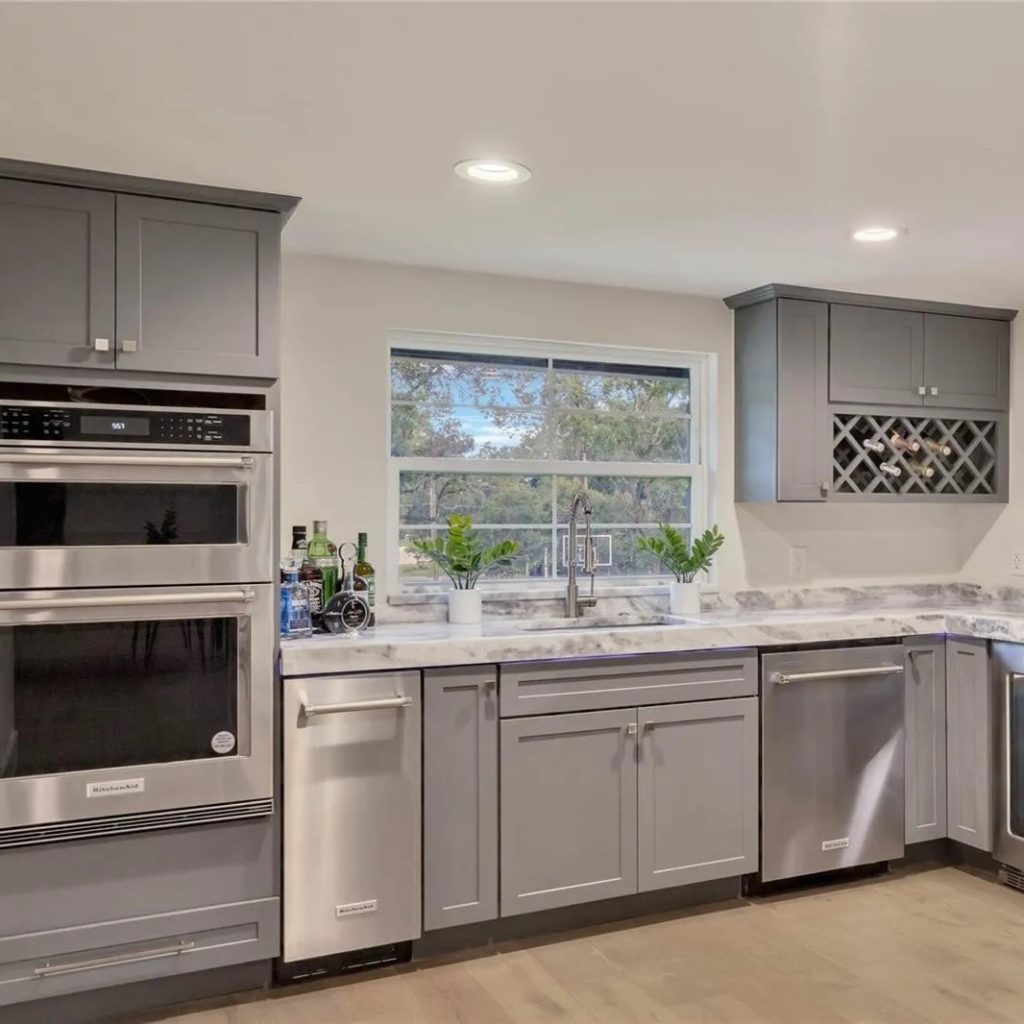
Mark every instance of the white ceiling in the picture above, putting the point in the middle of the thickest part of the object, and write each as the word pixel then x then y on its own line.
pixel 701 147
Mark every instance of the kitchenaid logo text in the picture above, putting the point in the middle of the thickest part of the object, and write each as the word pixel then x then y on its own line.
pixel 122 787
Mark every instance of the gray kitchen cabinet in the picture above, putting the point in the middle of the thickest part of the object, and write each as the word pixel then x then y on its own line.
pixel 196 287
pixel 925 748
pixel 56 275
pixel 876 356
pixel 697 785
pixel 782 416
pixel 966 362
pixel 460 796
pixel 568 809
pixel 969 749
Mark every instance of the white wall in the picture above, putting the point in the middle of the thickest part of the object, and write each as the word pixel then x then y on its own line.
pixel 336 315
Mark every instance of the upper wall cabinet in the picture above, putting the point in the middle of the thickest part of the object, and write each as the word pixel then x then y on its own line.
pixel 901 357
pixel 844 396
pixel 157 281
pixel 56 275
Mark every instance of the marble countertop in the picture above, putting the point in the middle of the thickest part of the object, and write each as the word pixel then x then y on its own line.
pixel 995 616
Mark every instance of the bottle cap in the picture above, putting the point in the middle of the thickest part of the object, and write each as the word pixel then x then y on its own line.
pixel 319 525
pixel 362 540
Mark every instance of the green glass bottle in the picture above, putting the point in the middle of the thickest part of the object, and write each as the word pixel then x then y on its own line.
pixel 365 579
pixel 323 554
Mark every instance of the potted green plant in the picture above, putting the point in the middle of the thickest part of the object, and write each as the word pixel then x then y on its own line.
pixel 684 561
pixel 462 557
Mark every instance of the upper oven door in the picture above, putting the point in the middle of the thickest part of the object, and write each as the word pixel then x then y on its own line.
pixel 134 701
pixel 106 517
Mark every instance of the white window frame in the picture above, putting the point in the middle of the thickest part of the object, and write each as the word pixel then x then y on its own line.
pixel 702 380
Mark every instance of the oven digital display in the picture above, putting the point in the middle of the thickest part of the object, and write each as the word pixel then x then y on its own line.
pixel 115 426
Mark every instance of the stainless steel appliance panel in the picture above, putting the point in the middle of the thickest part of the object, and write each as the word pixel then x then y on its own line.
pixel 352 798
pixel 108 723
pixel 183 508
pixel 832 743
pixel 1008 706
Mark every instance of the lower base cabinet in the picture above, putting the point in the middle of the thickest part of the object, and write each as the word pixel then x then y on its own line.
pixel 924 692
pixel 608 803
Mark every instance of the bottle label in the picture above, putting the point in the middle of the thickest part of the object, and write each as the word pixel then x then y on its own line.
pixel 371 591
pixel 315 589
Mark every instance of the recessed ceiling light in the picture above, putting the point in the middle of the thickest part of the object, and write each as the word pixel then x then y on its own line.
pixel 877 233
pixel 493 172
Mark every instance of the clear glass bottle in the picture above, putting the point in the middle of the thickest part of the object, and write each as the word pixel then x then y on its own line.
pixel 295 612
pixel 364 578
pixel 323 554
pixel 348 612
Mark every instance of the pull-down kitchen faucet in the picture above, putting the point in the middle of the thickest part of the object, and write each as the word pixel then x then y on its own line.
pixel 573 601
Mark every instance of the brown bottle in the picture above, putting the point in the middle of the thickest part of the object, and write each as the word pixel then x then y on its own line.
pixel 312 575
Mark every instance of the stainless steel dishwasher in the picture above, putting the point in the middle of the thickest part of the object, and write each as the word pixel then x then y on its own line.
pixel 352 747
pixel 832 774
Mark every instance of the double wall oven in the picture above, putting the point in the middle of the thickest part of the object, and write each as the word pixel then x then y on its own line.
pixel 136 618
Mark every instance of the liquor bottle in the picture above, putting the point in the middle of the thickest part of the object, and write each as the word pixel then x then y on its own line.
pixel 312 578
pixel 319 552
pixel 348 612
pixel 937 448
pixel 295 617
pixel 365 578
pixel 296 554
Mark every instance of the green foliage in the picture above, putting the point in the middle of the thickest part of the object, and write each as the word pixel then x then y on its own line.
pixel 683 561
pixel 461 556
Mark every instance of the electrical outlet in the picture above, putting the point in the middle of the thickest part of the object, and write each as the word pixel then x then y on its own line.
pixel 1017 562
pixel 798 563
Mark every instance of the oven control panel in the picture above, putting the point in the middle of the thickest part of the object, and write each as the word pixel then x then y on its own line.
pixel 101 426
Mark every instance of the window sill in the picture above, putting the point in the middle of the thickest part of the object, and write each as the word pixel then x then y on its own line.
pixel 556 592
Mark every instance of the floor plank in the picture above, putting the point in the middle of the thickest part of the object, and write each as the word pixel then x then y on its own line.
pixel 937 946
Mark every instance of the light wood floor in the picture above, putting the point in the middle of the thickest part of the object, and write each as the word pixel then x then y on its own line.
pixel 930 945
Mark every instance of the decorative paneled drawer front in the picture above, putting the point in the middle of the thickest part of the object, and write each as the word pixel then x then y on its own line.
pixel 915 455
pixel 588 684
pixel 53 963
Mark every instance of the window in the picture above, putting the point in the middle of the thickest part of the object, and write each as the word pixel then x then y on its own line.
pixel 508 431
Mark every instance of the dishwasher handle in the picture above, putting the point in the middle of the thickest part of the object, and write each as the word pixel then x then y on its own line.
pixel 784 678
pixel 384 704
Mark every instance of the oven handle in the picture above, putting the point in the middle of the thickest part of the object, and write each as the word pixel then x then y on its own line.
pixel 384 704
pixel 200 597
pixel 188 461
pixel 782 678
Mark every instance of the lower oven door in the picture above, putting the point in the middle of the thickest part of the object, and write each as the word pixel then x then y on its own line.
pixel 1008 705
pixel 119 706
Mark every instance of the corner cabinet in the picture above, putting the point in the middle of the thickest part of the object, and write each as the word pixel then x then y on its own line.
pixel 863 397
pixel 100 277
pixel 924 676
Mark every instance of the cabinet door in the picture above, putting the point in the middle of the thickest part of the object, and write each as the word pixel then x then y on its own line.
pixel 697 792
pixel 925 752
pixel 966 362
pixel 56 275
pixel 460 796
pixel 969 743
pixel 197 288
pixel 804 439
pixel 568 809
pixel 876 356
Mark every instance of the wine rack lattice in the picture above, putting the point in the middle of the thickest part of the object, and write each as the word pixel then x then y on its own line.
pixel 970 467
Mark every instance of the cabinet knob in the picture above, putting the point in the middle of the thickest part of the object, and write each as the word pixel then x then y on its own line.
pixel 933 390
pixel 101 344
pixel 631 729
pixel 921 389
pixel 489 685
pixel 824 485
pixel 129 345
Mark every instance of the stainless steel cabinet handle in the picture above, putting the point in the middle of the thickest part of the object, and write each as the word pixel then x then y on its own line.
pixel 384 704
pixel 76 459
pixel 31 604
pixel 129 345
pixel 49 970
pixel 631 729
pixel 782 678
pixel 101 344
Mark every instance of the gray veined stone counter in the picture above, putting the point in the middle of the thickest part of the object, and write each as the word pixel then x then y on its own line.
pixel 424 645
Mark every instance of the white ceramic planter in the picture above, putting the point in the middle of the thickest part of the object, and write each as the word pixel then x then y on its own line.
pixel 684 598
pixel 465 607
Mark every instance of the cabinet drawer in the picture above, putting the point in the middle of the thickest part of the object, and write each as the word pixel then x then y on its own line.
pixel 543 687
pixel 54 963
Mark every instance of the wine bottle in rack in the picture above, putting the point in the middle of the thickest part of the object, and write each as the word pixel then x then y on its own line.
pixel 936 448
pixel 873 446
pixel 900 444
pixel 926 472
pixel 891 468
